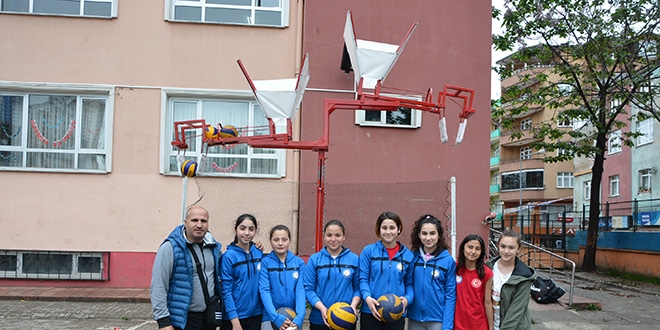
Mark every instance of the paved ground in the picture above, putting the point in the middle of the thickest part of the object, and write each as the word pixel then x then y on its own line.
pixel 624 306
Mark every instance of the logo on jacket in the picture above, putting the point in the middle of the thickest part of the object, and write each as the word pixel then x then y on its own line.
pixel 258 266
pixel 399 267
pixel 459 279
pixel 346 273
pixel 295 275
pixel 435 273
pixel 476 283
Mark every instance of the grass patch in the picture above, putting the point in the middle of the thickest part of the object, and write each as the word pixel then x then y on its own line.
pixel 632 277
pixel 590 307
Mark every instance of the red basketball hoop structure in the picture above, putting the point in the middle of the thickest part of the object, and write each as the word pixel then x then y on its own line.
pixel 280 100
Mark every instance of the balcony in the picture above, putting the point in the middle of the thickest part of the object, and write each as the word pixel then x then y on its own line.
pixel 494 136
pixel 515 165
pixel 494 162
pixel 494 189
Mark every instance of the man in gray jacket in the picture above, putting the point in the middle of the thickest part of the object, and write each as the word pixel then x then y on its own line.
pixel 176 291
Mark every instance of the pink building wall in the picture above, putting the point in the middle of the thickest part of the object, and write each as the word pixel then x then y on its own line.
pixel 451 45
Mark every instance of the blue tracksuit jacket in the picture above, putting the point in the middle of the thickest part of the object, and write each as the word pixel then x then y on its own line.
pixel 434 284
pixel 280 285
pixel 330 280
pixel 240 282
pixel 380 275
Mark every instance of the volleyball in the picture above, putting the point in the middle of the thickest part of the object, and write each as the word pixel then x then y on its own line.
pixel 287 312
pixel 211 132
pixel 341 316
pixel 189 168
pixel 228 132
pixel 391 307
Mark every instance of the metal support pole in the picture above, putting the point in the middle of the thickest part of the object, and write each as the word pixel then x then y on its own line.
pixel 320 196
pixel 453 217
pixel 184 197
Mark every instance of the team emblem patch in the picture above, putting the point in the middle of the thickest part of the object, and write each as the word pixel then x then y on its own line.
pixel 258 266
pixel 459 279
pixel 476 283
pixel 346 273
pixel 295 275
pixel 435 273
pixel 399 267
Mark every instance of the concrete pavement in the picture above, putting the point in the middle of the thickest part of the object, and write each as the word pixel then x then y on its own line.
pixel 625 306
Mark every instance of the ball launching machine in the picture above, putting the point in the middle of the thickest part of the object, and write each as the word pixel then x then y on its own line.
pixel 280 100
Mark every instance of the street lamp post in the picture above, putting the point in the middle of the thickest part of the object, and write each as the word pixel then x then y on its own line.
pixel 520 180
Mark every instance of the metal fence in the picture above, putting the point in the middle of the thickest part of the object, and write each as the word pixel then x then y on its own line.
pixel 622 215
pixel 356 205
pixel 546 230
pixel 547 263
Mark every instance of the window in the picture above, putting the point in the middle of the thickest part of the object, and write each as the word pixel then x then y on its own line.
pixel 230 160
pixel 614 142
pixel 531 179
pixel 85 8
pixel 561 152
pixel 565 89
pixel 565 122
pixel 564 180
pixel 239 12
pixel 55 132
pixel 614 185
pixel 645 177
pixel 645 127
pixel 526 153
pixel 54 265
pixel 526 124
pixel 402 117
pixel 587 190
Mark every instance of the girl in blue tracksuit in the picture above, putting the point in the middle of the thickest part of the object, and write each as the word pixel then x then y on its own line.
pixel 434 278
pixel 239 273
pixel 280 284
pixel 331 275
pixel 385 267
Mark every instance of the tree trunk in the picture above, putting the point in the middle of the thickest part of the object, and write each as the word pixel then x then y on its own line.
pixel 589 260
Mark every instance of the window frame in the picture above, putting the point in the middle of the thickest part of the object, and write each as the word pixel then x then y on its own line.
pixel 562 177
pixel 614 182
pixel 645 127
pixel 614 142
pixel 645 180
pixel 81 92
pixel 75 274
pixel 167 151
pixel 415 116
pixel 587 190
pixel 525 153
pixel 171 5
pixel 30 11
pixel 527 174
pixel 526 124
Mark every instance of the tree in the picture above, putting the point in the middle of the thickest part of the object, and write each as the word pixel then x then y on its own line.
pixel 599 62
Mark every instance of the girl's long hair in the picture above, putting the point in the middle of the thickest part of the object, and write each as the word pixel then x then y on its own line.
pixel 240 220
pixel 417 227
pixel 480 261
